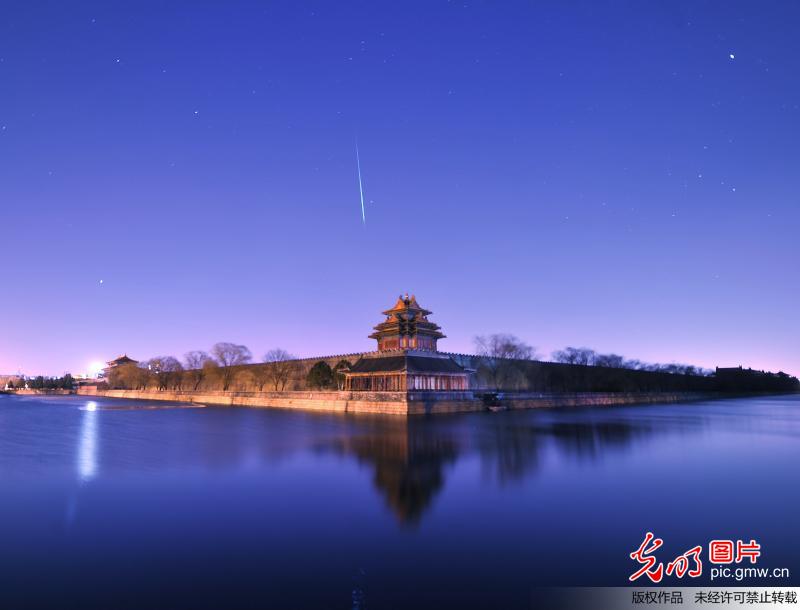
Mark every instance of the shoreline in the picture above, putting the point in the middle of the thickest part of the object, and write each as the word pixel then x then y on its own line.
pixel 400 403
pixel 404 404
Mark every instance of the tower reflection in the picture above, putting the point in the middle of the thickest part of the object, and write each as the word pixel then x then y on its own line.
pixel 408 461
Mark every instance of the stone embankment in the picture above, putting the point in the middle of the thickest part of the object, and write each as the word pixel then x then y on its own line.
pixel 48 392
pixel 399 403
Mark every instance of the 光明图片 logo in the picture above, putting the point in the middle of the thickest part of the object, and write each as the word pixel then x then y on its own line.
pixel 721 554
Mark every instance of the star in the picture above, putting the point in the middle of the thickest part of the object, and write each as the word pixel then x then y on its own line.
pixel 732 56
pixel 101 282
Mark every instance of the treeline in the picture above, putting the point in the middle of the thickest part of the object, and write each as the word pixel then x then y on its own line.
pixel 43 383
pixel 503 362
pixel 228 367
pixel 589 357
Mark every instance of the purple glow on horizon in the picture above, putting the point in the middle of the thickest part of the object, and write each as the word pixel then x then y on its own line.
pixel 622 178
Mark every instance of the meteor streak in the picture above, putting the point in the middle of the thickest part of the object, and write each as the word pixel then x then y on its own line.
pixel 360 187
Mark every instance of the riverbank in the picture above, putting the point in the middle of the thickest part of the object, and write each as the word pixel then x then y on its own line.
pixel 48 392
pixel 402 403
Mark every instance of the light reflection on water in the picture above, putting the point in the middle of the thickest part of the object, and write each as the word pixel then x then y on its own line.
pixel 87 447
pixel 309 509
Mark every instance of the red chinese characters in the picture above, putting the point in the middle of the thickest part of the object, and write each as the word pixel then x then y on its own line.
pixel 721 551
pixel 642 555
pixel 690 563
pixel 680 565
pixel 751 550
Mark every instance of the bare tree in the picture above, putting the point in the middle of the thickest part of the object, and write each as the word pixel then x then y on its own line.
pixel 197 366
pixel 211 370
pixel 280 367
pixel 128 376
pixel 679 369
pixel 611 361
pixel 501 357
pixel 575 355
pixel 143 376
pixel 229 355
pixel 166 370
pixel 260 375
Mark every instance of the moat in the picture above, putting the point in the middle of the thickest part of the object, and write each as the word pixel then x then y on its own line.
pixel 163 505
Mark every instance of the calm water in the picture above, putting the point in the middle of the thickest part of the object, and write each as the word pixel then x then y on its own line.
pixel 107 504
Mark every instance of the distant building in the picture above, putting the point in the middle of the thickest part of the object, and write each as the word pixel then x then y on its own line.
pixel 8 382
pixel 407 358
pixel 118 361
pixel 740 379
pixel 738 371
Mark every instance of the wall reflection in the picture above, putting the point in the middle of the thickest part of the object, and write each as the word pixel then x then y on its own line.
pixel 408 461
pixel 509 449
pixel 588 440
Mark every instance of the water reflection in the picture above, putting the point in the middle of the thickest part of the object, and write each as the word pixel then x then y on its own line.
pixel 408 461
pixel 588 440
pixel 509 449
pixel 464 503
pixel 87 446
pixel 410 458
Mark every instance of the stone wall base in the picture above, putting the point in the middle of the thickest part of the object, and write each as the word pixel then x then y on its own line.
pixel 396 403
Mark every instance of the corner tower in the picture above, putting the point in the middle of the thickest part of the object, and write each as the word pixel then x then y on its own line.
pixel 407 327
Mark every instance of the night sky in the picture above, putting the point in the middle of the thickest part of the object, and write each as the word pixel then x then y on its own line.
pixel 619 175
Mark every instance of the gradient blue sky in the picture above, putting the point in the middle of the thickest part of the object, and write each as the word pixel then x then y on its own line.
pixel 575 173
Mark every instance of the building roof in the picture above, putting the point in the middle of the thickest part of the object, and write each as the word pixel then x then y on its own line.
pixel 406 318
pixel 406 363
pixel 406 303
pixel 123 359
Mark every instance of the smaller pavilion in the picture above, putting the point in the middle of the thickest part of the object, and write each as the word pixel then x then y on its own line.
pixel 116 362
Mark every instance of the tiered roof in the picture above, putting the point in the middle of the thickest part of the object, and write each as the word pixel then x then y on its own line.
pixel 407 319
pixel 120 360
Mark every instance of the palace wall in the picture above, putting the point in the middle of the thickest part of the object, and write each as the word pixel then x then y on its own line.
pixel 528 376
pixel 43 392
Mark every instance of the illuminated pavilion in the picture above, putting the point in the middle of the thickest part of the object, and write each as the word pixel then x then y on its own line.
pixel 407 358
